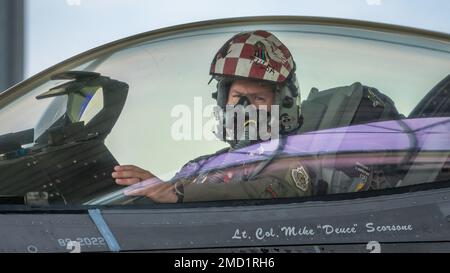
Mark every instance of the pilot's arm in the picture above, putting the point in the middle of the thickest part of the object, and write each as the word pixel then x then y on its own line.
pixel 292 181
pixel 268 187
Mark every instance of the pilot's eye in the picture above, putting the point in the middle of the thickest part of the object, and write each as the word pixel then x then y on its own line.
pixel 260 99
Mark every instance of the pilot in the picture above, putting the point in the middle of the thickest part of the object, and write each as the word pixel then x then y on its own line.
pixel 251 69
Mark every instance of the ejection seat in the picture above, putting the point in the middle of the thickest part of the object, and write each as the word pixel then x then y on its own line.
pixel 345 106
pixel 340 107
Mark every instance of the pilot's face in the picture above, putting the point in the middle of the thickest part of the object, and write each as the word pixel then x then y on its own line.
pixel 258 95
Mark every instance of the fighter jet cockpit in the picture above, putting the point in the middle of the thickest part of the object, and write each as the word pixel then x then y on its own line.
pixel 368 111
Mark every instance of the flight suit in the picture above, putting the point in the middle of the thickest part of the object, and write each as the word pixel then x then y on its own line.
pixel 282 178
pixel 275 181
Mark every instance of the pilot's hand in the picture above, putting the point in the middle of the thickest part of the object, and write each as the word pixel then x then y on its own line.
pixel 144 183
pixel 127 175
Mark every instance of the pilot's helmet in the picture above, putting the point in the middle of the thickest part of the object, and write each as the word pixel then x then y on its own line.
pixel 260 56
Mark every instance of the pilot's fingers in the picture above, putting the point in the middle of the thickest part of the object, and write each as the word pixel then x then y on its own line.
pixel 127 181
pixel 131 174
pixel 132 171
pixel 129 168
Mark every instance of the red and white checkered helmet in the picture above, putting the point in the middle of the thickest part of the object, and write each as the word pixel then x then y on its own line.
pixel 256 55
pixel 259 55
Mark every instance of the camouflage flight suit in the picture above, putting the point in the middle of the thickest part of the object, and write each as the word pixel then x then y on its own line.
pixel 291 180
pixel 283 178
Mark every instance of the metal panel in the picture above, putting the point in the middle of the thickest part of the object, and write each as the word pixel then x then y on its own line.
pixel 33 233
pixel 411 217
pixel 401 222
